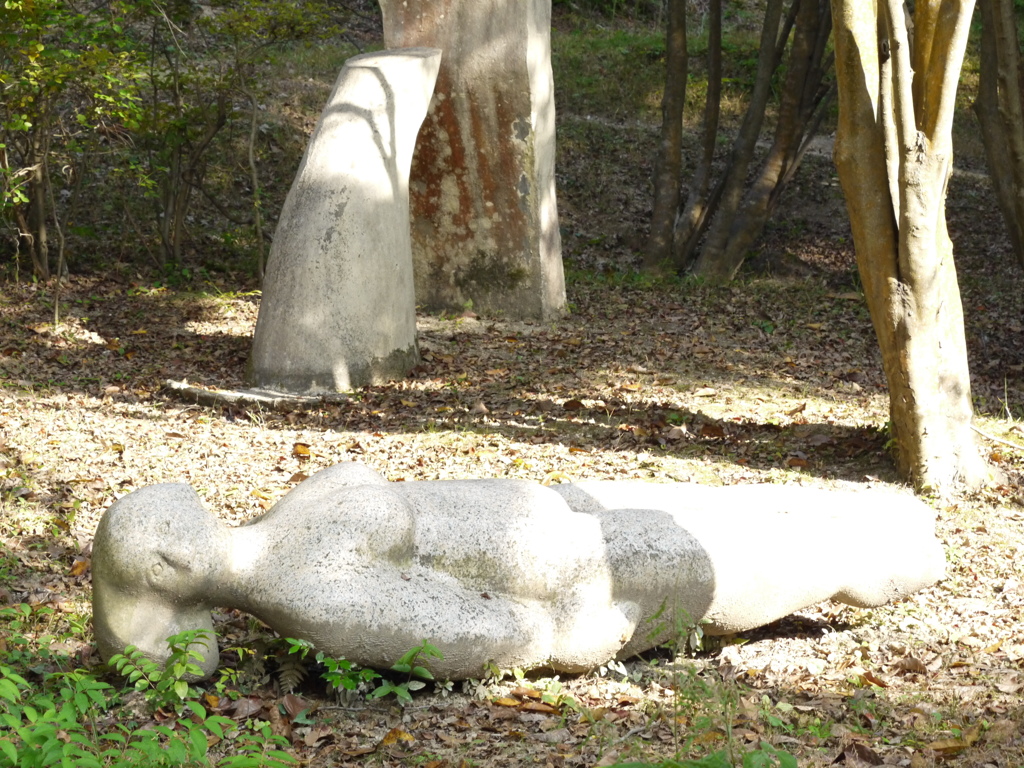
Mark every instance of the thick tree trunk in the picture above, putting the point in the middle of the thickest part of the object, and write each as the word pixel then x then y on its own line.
pixel 1001 114
pixel 903 249
pixel 669 163
pixel 484 215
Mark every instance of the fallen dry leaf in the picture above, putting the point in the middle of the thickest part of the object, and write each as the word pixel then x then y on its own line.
pixel 279 725
pixel 395 735
pixel 293 704
pixel 317 734
pixel 712 431
pixel 912 664
pixel 246 707
pixel 871 678
pixel 857 754
pixel 538 706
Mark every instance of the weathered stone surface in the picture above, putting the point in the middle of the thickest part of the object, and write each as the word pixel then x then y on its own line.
pixel 338 308
pixel 500 571
pixel 484 217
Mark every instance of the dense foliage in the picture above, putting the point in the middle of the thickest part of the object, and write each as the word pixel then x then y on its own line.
pixel 140 97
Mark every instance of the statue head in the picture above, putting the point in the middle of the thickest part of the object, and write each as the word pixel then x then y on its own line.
pixel 156 558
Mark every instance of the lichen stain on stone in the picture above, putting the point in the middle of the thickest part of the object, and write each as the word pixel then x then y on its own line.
pixel 328 237
pixel 475 187
pixel 482 571
pixel 521 129
pixel 524 185
pixel 466 198
pixel 491 275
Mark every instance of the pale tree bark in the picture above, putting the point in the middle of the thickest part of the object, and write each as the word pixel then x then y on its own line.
pixel 896 106
pixel 669 162
pixel 1001 114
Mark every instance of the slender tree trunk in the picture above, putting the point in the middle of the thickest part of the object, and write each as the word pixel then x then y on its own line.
pixel 889 93
pixel 37 213
pixel 61 263
pixel 690 224
pixel 801 95
pixel 185 172
pixel 254 177
pixel 1001 114
pixel 669 163
pixel 709 263
pixel 181 200
pixel 168 197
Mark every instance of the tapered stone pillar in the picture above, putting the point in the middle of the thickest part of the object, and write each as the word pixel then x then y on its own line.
pixel 484 218
pixel 338 308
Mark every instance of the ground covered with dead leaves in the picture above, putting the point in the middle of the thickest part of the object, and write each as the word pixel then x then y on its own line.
pixel 774 379
pixel 767 380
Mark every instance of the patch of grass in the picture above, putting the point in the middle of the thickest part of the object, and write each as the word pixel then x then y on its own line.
pixel 619 71
pixel 317 59
pixel 626 279
pixel 612 72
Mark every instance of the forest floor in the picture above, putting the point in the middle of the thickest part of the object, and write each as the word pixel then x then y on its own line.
pixel 773 379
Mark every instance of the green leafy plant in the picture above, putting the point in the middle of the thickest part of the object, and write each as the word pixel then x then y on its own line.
pixel 553 693
pixel 344 675
pixel 410 666
pixel 164 685
pixel 339 674
pixel 765 756
pixel 58 723
pixel 66 77
pixel 33 721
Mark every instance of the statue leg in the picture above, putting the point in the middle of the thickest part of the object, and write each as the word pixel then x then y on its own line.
pixel 738 557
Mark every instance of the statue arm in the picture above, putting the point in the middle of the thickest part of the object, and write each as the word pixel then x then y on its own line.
pixel 377 614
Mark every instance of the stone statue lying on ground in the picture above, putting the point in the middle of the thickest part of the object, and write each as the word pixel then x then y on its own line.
pixel 500 572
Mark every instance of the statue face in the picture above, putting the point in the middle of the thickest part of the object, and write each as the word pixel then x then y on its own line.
pixel 143 620
pixel 154 556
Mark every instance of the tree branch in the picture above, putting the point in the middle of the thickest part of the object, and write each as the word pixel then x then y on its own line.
pixel 952 26
pixel 902 74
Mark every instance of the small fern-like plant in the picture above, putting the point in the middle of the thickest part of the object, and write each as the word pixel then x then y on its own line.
pixel 55 724
pixel 344 675
pixel 339 674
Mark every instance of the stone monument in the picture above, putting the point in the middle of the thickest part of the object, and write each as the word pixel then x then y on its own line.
pixel 500 572
pixel 484 219
pixel 338 308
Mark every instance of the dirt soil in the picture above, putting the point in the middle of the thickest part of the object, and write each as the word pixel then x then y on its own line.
pixel 774 379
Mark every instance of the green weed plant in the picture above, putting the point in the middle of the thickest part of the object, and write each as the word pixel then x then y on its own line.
pixel 344 675
pixel 63 723
pixel 766 756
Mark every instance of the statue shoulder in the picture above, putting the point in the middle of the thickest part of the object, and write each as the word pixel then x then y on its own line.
pixel 325 485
